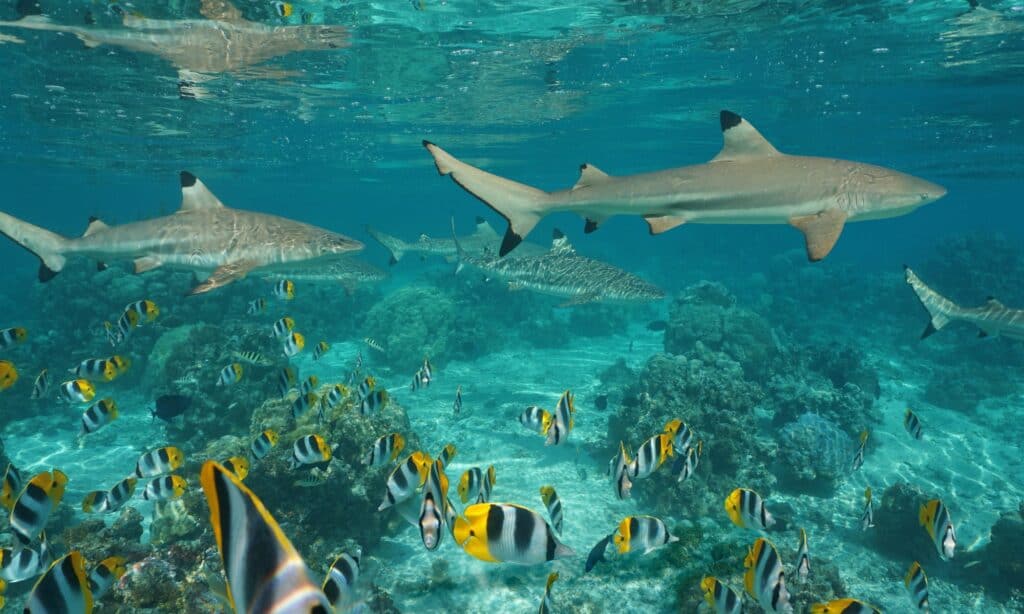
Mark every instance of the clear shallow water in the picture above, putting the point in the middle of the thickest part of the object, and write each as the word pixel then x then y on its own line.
pixel 530 90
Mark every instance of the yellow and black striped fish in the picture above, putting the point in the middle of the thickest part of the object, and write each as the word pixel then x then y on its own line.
pixel 164 488
pixel 8 374
pixel 645 533
pixel 562 420
pixel 720 597
pixel 546 607
pixel 934 517
pixel 746 509
pixel 158 462
pixel 286 381
pixel 448 452
pixel 917 586
pixel 320 349
pixel 23 563
pixel 12 336
pixel 284 290
pixel 803 558
pixel 294 344
pixel 341 579
pixel 231 374
pixel 63 588
pixel 652 454
pixel 409 475
pixel 432 511
pixel 506 533
pixel 373 402
pixel 385 450
pixel 77 391
pixel 765 579
pixel 11 487
pixel 238 466
pixel 844 606
pixel 33 506
pixel 99 414
pixel 283 326
pixel 551 501
pixel 42 385
pixel 263 443
pixel 310 450
pixel 251 357
pixel 95 369
pixel 912 424
pixel 309 384
pixel 302 403
pixel 256 306
pixel 858 457
pixel 373 343
pixel 275 581
pixel 105 573
pixel 103 501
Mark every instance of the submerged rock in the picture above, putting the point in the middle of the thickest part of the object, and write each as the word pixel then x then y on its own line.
pixel 814 455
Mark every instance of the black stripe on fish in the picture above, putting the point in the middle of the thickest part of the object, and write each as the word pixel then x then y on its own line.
pixel 523 525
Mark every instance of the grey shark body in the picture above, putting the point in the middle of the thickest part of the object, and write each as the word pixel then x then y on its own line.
pixel 484 238
pixel 992 318
pixel 204 235
pixel 748 182
pixel 563 273
pixel 223 42
pixel 348 271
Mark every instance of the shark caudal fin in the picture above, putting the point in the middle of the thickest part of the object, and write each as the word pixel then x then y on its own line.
pixel 48 246
pixel 394 245
pixel 939 308
pixel 520 205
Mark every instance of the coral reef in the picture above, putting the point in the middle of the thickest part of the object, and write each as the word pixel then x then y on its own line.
pixel 814 455
pixel 1003 568
pixel 707 313
pixel 897 532
pixel 411 322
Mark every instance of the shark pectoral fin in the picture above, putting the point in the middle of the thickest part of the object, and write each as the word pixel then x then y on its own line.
pixel 589 175
pixel 664 223
pixel 87 40
pixel 821 231
pixel 146 263
pixel 580 299
pixel 223 275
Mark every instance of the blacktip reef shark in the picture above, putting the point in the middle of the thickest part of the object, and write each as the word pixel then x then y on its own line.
pixel 484 238
pixel 203 235
pixel 222 42
pixel 348 271
pixel 564 273
pixel 748 182
pixel 992 318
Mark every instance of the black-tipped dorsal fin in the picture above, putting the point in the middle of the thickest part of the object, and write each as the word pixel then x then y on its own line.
pixel 742 140
pixel 560 243
pixel 95 225
pixel 484 229
pixel 195 196
pixel 589 175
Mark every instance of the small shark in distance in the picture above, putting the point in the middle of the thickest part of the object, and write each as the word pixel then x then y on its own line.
pixel 222 42
pixel 564 273
pixel 992 318
pixel 483 238
pixel 748 182
pixel 202 235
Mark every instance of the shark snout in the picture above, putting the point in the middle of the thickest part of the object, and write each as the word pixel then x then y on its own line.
pixel 931 192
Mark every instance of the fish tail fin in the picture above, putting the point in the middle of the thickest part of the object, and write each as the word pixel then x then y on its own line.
pixel 47 246
pixel 521 205
pixel 460 253
pixel 394 245
pixel 940 309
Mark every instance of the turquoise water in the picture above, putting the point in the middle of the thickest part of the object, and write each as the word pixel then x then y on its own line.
pixel 530 90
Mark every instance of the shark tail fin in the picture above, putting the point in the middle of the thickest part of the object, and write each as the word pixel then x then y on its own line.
pixel 521 205
pixel 47 246
pixel 940 309
pixel 460 253
pixel 394 245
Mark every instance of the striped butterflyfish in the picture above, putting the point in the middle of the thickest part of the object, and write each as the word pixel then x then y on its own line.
pixel 507 533
pixel 63 588
pixel 32 509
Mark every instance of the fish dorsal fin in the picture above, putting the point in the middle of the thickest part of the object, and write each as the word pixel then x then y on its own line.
pixel 742 140
pixel 994 303
pixel 195 196
pixel 220 10
pixel 589 175
pixel 483 229
pixel 95 225
pixel 560 244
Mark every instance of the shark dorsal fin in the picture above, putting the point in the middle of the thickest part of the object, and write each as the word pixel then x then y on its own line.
pixel 560 243
pixel 195 196
pixel 219 10
pixel 741 139
pixel 989 302
pixel 589 175
pixel 483 229
pixel 95 225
